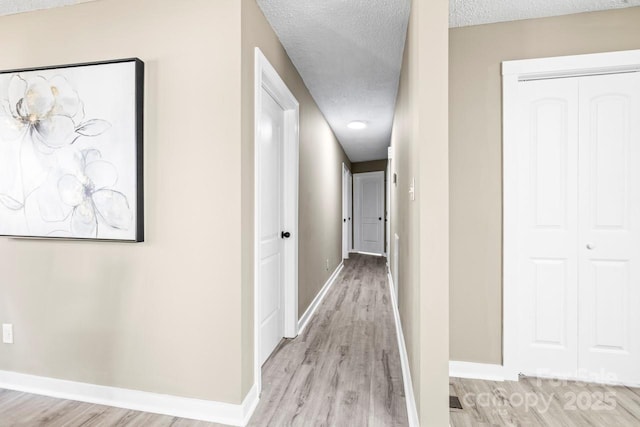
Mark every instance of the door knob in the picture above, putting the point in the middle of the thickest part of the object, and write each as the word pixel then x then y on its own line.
pixel 379 218
pixel 344 220
pixel 591 246
pixel 285 234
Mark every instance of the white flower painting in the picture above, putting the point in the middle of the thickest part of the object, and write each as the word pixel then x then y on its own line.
pixel 71 152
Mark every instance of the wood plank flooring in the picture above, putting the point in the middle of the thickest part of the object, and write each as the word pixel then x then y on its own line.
pixel 344 369
pixel 30 410
pixel 541 402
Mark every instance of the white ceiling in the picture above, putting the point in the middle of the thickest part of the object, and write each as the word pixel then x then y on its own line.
pixel 349 54
pixel 8 7
pixel 473 12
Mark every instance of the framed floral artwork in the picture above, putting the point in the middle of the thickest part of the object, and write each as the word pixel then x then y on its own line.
pixel 71 152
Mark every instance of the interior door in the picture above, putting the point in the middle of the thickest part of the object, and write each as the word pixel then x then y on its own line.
pixel 345 212
pixel 271 246
pixel 547 220
pixel 369 212
pixel 349 211
pixel 609 227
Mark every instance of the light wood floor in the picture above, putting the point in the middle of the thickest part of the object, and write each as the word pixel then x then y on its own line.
pixel 538 402
pixel 29 410
pixel 343 370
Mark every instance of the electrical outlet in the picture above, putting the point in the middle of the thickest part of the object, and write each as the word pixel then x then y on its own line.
pixel 7 333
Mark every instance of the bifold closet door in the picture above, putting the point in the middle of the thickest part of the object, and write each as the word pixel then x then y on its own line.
pixel 609 228
pixel 548 226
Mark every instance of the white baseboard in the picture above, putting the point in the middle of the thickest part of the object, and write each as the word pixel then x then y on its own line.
pixel 478 371
pixel 308 314
pixel 412 409
pixel 367 253
pixel 196 409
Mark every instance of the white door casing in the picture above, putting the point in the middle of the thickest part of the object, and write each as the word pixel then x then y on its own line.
pixel 597 164
pixel 369 212
pixel 275 108
pixel 609 227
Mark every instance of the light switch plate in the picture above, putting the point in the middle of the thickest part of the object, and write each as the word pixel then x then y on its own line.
pixel 412 190
pixel 7 333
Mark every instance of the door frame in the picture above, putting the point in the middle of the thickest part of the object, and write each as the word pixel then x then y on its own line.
pixel 356 209
pixel 267 78
pixel 514 72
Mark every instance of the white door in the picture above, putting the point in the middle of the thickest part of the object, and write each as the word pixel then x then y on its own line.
pixel 609 227
pixel 387 218
pixel 349 211
pixel 345 212
pixel 547 219
pixel 369 212
pixel 579 227
pixel 271 246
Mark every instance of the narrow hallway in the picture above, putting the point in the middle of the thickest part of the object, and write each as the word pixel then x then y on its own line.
pixel 344 369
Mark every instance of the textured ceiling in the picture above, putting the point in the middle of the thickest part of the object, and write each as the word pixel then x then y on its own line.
pixel 473 12
pixel 8 7
pixel 349 54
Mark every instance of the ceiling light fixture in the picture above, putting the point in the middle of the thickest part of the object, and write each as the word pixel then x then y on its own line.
pixel 357 124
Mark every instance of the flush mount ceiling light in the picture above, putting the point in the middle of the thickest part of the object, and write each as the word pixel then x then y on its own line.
pixel 357 124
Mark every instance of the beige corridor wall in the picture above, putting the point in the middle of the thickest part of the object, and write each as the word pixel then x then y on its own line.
pixel 161 316
pixel 420 142
pixel 320 192
pixel 370 166
pixel 476 148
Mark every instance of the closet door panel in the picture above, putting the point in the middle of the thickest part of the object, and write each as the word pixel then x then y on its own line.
pixel 547 217
pixel 609 228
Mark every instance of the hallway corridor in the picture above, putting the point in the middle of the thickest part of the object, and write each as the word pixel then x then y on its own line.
pixel 344 369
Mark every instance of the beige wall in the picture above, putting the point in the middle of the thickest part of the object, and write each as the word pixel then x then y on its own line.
pixel 320 193
pixel 162 316
pixel 476 150
pixel 370 166
pixel 420 143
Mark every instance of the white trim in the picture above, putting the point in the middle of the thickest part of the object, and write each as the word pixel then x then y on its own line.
pixel 479 371
pixel 267 78
pixel 308 314
pixel 412 409
pixel 572 66
pixel 513 73
pixel 195 409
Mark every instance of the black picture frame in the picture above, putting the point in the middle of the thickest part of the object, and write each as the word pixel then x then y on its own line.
pixel 44 130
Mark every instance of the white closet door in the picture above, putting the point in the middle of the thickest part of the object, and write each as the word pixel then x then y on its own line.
pixel 609 228
pixel 547 221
